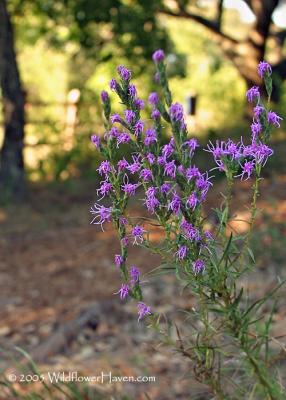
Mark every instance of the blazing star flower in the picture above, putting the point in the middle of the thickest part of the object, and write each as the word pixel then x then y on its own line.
pixel 129 188
pixel 261 152
pixel 181 169
pixel 143 310
pixel 118 260
pixel 104 189
pixel 138 127
pixel 113 84
pixel 170 169
pixel 247 169
pixel 252 94
pixel 146 174
pixel 192 144
pixel 257 111
pixel 190 231
pixel 150 158
pixel 203 184
pixel 263 69
pixel 137 232
pixel 102 214
pixel 192 201
pixel 129 116
pixel 165 188
pixel 153 98
pixel 161 160
pixel 122 220
pixel 177 112
pixel 150 137
pixel 135 166
pixel 209 236
pixel 198 266
pixel 182 252
pixel 139 104
pixel 104 96
pixel 125 241
pixel 232 149
pixel 115 118
pixel 274 119
pixel 123 138
pixel 123 291
pixel 168 150
pixel 134 275
pixel 256 129
pixel 95 140
pixel 192 172
pixel 132 91
pixel 122 164
pixel 155 114
pixel 124 73
pixel 151 200
pixel 175 203
pixel 158 56
pixel 104 168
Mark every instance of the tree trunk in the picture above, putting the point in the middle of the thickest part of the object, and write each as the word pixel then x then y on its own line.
pixel 12 179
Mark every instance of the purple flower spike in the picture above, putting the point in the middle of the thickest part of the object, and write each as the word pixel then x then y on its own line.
pixel 123 138
pixel 123 291
pixel 177 112
pixel 263 69
pixel 122 164
pixel 143 310
pixel 165 188
pixel 198 266
pixel 274 119
pixel 118 260
pixel 137 232
pixel 158 56
pixel 124 73
pixel 101 214
pixel 104 96
pixel 95 140
pixel 252 94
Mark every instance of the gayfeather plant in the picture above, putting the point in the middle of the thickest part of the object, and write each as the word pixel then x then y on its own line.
pixel 228 338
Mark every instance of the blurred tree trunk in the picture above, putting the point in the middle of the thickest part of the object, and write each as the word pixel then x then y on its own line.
pixel 244 54
pixel 12 179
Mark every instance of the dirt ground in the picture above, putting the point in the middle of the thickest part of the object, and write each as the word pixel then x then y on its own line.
pixel 54 265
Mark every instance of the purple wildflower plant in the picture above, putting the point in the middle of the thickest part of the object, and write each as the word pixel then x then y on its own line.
pixel 174 187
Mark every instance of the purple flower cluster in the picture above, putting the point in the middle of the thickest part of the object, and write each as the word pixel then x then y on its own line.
pixel 174 188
